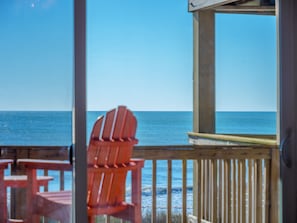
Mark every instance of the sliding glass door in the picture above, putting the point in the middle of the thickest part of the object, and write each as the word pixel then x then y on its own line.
pixel 42 94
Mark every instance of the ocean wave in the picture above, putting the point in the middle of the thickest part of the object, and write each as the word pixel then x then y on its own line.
pixel 148 191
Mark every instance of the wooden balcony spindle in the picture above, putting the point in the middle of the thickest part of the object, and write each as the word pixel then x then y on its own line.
pixel 169 190
pixel 184 191
pixel 259 194
pixel 154 191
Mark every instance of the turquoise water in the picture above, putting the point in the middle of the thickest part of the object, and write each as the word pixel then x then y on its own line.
pixel 154 128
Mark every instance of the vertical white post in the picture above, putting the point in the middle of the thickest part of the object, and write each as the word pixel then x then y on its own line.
pixel 203 82
pixel 204 71
pixel 79 211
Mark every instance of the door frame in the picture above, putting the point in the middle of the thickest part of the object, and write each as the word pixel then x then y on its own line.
pixel 79 214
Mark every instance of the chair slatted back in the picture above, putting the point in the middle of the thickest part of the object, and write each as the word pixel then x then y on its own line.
pixel 110 147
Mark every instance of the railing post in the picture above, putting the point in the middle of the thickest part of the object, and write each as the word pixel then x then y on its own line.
pixel 274 186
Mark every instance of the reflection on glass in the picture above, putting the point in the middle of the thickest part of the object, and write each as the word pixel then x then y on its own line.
pixel 36 69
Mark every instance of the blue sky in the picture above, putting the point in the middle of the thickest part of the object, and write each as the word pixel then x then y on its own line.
pixel 139 55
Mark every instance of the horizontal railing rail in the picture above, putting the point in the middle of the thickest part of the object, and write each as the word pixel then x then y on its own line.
pixel 230 183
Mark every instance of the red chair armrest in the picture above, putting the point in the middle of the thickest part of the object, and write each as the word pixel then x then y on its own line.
pixel 45 164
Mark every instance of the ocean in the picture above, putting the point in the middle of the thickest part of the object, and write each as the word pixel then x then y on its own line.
pixel 154 128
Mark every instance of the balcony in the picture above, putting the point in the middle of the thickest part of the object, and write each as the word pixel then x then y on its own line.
pixel 231 183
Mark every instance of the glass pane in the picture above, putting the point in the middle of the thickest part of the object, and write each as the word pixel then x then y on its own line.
pixel 139 54
pixel 246 94
pixel 36 72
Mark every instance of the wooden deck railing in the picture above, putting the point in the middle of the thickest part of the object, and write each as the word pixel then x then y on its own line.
pixel 234 184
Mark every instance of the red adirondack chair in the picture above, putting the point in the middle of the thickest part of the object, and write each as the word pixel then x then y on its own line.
pixel 109 159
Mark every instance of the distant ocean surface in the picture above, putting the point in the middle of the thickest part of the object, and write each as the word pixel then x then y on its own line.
pixel 154 128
